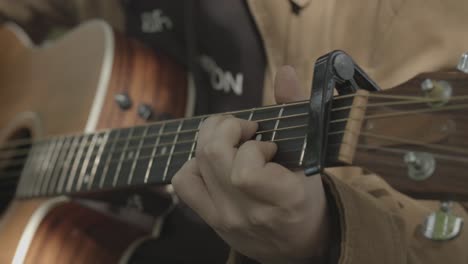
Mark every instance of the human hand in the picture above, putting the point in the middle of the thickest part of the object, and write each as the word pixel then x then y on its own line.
pixel 260 208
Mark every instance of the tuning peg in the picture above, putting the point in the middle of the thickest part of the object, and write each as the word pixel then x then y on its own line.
pixel 421 165
pixel 442 225
pixel 439 92
pixel 463 63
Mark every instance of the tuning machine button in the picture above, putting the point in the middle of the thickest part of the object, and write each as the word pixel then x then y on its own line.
pixel 438 93
pixel 421 165
pixel 443 224
pixel 123 100
pixel 463 63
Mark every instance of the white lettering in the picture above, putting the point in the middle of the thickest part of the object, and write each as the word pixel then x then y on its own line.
pixel 154 21
pixel 222 80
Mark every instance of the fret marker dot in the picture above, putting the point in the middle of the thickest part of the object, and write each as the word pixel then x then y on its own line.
pixel 258 137
pixel 163 150
pixel 86 178
pixel 130 155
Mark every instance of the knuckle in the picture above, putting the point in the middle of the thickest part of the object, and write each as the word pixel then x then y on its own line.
pixel 228 223
pixel 259 218
pixel 212 120
pixel 243 179
pixel 176 180
pixel 249 147
pixel 230 124
pixel 211 150
pixel 207 124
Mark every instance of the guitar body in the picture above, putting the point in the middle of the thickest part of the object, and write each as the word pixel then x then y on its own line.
pixel 64 87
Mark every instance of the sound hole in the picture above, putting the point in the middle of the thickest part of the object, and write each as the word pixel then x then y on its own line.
pixel 13 155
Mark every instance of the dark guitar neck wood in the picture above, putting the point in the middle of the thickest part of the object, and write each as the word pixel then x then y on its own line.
pixel 152 154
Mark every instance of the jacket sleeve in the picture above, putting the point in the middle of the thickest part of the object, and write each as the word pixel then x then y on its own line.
pixel 37 17
pixel 380 225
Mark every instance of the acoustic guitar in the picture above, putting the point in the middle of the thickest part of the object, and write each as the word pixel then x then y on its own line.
pixel 413 135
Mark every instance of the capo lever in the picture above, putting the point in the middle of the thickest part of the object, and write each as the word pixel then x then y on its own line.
pixel 333 70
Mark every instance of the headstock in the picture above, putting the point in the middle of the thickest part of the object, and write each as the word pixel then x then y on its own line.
pixel 416 136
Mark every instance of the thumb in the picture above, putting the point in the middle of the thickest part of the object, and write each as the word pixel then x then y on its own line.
pixel 287 86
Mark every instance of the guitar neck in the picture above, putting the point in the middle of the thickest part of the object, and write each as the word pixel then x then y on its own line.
pixel 153 153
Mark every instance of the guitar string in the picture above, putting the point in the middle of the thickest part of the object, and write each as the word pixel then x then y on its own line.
pixel 274 107
pixel 187 152
pixel 18 158
pixel 401 151
pixel 21 154
pixel 453 107
pixel 415 142
pixel 150 136
pixel 457 158
pixel 464 161
pixel 418 100
pixel 178 164
pixel 25 142
pixel 360 146
pixel 440 109
pixel 294 164
pixel 293 127
pixel 394 139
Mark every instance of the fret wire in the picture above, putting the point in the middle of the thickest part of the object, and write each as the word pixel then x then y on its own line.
pixel 132 170
pixel 84 166
pixel 36 164
pixel 26 176
pixel 97 159
pixel 52 164
pixel 277 123
pixel 42 168
pixel 38 167
pixel 194 130
pixel 172 151
pixel 92 151
pixel 334 109
pixel 187 152
pixel 194 141
pixel 278 140
pixel 26 142
pixel 109 157
pixel 59 164
pixel 278 161
pixel 76 163
pixel 122 156
pixel 191 141
pixel 304 145
pixel 264 131
pixel 153 153
pixel 67 163
pixel 251 115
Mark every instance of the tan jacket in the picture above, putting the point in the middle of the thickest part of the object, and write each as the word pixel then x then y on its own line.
pixel 393 40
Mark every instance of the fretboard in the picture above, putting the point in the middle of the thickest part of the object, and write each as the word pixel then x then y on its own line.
pixel 153 153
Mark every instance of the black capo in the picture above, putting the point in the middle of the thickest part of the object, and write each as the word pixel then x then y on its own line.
pixel 333 70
